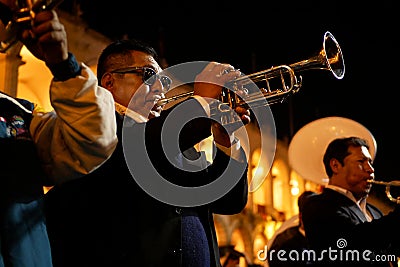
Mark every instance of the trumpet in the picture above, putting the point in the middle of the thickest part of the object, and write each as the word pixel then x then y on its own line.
pixel 22 18
pixel 388 186
pixel 285 77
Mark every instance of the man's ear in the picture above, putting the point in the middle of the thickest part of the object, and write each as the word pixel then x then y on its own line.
pixel 107 81
pixel 334 165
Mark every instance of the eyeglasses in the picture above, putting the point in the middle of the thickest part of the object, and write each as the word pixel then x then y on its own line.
pixel 149 76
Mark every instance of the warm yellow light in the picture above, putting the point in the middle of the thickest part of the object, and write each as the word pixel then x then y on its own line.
pixel 275 171
pixel 46 189
pixel 34 80
pixel 258 245
pixel 258 173
pixel 270 228
pixel 294 191
pixel 294 187
pixel 206 145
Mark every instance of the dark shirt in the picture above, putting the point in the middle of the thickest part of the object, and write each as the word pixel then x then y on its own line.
pixel 293 243
pixel 334 222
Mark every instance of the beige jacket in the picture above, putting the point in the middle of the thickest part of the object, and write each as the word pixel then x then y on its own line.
pixel 80 133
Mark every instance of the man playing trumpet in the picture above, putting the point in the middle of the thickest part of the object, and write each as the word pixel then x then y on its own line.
pixel 127 213
pixel 340 225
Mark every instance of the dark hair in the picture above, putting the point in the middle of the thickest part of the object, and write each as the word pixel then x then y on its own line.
pixel 120 53
pixel 303 198
pixel 338 149
pixel 233 255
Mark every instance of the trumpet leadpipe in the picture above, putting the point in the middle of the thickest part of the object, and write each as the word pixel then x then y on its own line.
pixel 165 101
pixel 391 183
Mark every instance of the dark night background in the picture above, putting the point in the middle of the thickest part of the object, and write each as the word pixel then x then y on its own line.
pixel 255 35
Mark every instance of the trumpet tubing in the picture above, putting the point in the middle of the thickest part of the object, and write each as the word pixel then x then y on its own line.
pixel 285 77
pixel 388 186
pixel 391 183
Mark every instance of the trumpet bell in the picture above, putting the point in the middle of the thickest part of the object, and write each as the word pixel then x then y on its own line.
pixel 329 58
pixel 308 145
pixel 333 56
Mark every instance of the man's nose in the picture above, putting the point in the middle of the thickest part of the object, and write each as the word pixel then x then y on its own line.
pixel 157 86
pixel 369 168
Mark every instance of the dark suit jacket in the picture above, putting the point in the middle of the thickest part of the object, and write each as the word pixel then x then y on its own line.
pixel 333 221
pixel 106 219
